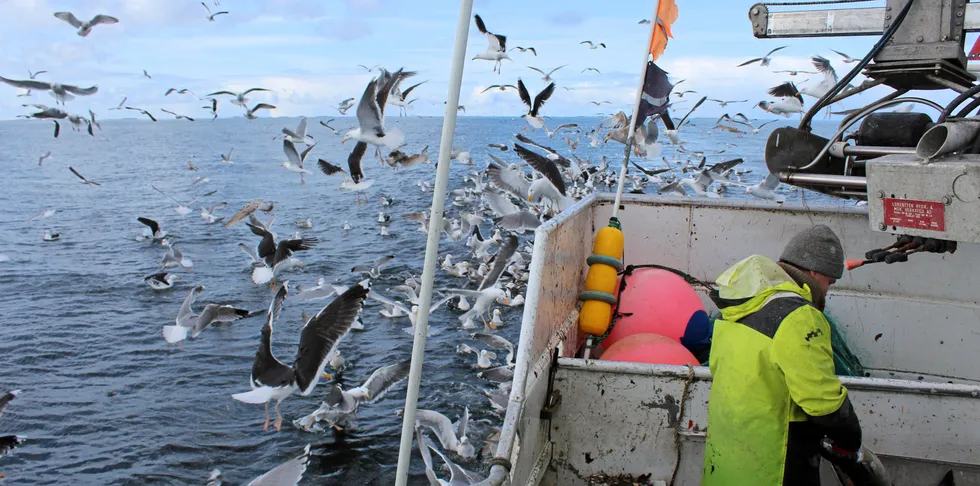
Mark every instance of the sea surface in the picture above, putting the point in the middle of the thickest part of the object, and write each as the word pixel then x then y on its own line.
pixel 107 401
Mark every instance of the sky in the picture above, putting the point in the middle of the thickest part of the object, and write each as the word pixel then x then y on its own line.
pixel 307 53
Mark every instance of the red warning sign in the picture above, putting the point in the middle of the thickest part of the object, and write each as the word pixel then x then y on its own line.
pixel 909 213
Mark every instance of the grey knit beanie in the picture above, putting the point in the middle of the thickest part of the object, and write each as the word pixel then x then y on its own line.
pixel 818 249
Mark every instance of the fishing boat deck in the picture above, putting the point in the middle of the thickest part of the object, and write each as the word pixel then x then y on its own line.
pixel 914 326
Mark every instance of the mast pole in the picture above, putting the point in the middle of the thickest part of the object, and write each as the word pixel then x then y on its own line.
pixel 432 242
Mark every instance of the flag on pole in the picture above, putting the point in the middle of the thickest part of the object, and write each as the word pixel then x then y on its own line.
pixel 666 16
pixel 656 90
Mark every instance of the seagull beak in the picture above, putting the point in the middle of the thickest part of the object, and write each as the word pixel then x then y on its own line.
pixel 326 376
pixel 530 198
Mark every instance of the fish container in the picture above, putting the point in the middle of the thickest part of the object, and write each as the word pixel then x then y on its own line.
pixel 915 326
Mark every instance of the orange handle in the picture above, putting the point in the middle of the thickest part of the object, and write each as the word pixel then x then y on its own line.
pixel 852 263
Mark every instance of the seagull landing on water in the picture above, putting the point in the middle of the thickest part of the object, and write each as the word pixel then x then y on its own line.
pixel 532 117
pixel 353 180
pixel 371 112
pixel 271 379
pixel 764 60
pixel 496 46
pixel 84 28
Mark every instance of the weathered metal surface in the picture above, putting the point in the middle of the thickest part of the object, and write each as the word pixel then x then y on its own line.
pixel 947 191
pixel 838 22
pixel 620 419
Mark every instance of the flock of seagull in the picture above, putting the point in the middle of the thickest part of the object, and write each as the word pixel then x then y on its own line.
pixel 492 274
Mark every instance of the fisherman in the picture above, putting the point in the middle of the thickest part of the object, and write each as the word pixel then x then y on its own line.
pixel 775 402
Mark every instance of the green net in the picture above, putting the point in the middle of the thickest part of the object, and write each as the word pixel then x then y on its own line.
pixel 846 363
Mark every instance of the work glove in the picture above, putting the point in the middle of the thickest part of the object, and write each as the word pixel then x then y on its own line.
pixel 842 430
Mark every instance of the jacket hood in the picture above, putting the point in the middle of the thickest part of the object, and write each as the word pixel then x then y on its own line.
pixel 745 287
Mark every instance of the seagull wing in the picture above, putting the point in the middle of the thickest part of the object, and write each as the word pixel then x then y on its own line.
pixel 217 313
pixel 410 88
pixel 81 91
pixel 507 250
pixel 771 182
pixel 500 204
pixel 774 50
pixel 543 165
pixel 532 68
pixel 154 226
pixel 354 161
pixel 384 300
pixel 73 171
pixel 185 307
pixel 288 473
pixel 302 157
pixel 266 247
pixel 250 252
pixel 290 149
pixel 519 221
pixel 368 111
pixel 104 19
pixel 509 179
pixel 786 90
pixel 26 84
pixel 522 92
pixel 320 335
pixel 463 421
pixel 440 425
pixel 68 17
pixel 250 90
pixel 493 340
pixel 223 92
pixel 383 379
pixel 287 247
pixel 329 169
pixel 750 61
pixel 541 98
pixel 823 66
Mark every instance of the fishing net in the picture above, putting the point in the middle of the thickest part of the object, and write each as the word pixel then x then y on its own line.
pixel 846 362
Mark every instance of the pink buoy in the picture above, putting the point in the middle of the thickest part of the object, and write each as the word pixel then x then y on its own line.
pixel 659 302
pixel 649 348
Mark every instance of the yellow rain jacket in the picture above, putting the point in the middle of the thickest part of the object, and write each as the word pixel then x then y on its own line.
pixel 771 364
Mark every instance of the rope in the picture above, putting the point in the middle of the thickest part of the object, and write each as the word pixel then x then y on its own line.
pixel 815 2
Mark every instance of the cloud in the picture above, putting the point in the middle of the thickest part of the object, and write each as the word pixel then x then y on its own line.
pixel 363 5
pixel 567 19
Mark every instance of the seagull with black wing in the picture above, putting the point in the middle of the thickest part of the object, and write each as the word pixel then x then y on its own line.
pixel 84 180
pixel 277 257
pixel 353 180
pixel 551 186
pixel 271 379
pixel 532 117
pixel 371 112
pixel 496 46
pixel 148 114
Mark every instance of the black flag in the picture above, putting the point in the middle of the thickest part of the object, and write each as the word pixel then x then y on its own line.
pixel 656 90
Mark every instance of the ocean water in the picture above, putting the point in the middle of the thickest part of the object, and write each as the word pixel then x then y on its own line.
pixel 106 401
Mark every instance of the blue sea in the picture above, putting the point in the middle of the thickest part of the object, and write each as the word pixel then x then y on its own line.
pixel 107 401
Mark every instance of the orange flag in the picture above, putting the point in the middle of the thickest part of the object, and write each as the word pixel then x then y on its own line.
pixel 666 15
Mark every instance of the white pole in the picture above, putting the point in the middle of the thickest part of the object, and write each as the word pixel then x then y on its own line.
pixel 636 108
pixel 432 243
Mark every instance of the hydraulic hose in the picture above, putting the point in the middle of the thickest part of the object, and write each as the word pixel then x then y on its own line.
pixel 956 102
pixel 805 123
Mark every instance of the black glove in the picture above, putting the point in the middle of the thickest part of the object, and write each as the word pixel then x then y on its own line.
pixel 842 429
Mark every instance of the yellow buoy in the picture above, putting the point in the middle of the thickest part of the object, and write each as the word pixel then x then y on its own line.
pixel 599 296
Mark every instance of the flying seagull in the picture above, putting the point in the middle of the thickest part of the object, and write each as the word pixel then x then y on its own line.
pixel 143 112
pixel 211 16
pixel 84 180
pixel 496 45
pixel 32 76
pixel 60 92
pixel 178 117
pixel 178 91
pixel 248 209
pixel 295 160
pixel 85 27
pixel 371 112
pixel 299 135
pixel 593 45
pixel 525 49
pixel 250 114
pixel 271 379
pixel 764 60
pixel 591 69
pixel 190 322
pixel 546 77
pixel 847 59
pixel 240 98
pixel 345 105
pixel 339 404
pixel 500 87
pixel 532 116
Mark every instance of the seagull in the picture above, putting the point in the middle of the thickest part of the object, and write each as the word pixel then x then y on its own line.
pixel 500 146
pixel 766 189
pixel 353 180
pixel 371 114
pixel 211 16
pixel 240 98
pixel 496 341
pixel 791 100
pixel 155 232
pixel 147 75
pixel 161 280
pixel 7 398
pixel 593 45
pixel 178 91
pixel 271 379
pixel 208 214
pixel 398 97
pixel 212 108
pixel 188 321
pixel 847 59
pixel 457 475
pixel 84 180
pixel 552 186
pixel 288 473
pixel 546 77
pixel 227 158
pixel 43 158
pixel 373 271
pixel 48 236
pixel 345 105
pixel 121 103
pixel 764 60
pixel 85 27
pixel 496 46
pixel 327 125
pixel 829 78
pixel 176 116
pixel 794 73
pixel 369 69
pixel 500 87
pixel 32 76
pixel 60 92
pixel 174 258
pixel 250 208
pixel 298 136
pixel 150 115
pixel 723 104
pixel 250 114
pixel 644 22
pixel 295 159
pixel 525 49
pixel 532 117
pixel 276 257
pixel 591 69
pixel 758 128
pixel 339 404
pixel 452 438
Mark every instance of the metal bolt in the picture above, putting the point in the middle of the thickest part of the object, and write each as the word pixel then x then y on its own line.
pixel 755 11
pixel 888 17
pixel 919 39
pixel 959 14
pixel 957 37
pixel 888 8
pixel 881 194
pixel 882 226
pixel 947 200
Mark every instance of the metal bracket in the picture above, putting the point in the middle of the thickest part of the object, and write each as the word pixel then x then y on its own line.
pixel 553 397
